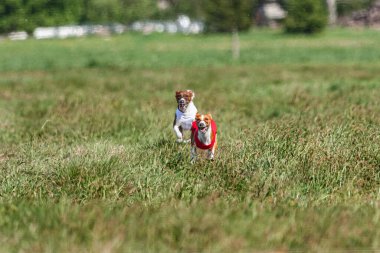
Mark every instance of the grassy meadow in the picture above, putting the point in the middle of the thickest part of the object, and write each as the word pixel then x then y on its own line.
pixel 89 163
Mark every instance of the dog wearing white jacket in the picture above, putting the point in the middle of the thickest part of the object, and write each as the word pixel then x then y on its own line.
pixel 184 115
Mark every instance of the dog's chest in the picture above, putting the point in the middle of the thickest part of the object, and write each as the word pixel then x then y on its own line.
pixel 205 138
pixel 185 119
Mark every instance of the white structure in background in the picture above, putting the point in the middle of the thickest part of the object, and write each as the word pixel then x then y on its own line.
pixel 274 11
pixel 269 13
pixel 196 27
pixel 170 27
pixel 22 35
pixel 44 33
pixel 62 32
pixel 118 28
pixel 183 24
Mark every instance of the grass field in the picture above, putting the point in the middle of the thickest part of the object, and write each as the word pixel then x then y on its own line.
pixel 89 163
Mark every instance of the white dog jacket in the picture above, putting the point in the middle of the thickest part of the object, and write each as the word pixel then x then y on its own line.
pixel 185 119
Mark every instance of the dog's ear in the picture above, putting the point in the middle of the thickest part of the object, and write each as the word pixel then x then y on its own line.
pixel 209 115
pixel 197 116
pixel 178 94
pixel 191 94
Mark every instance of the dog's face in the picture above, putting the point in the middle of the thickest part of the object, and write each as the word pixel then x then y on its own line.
pixel 203 122
pixel 183 98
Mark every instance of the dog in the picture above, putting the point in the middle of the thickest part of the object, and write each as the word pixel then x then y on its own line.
pixel 203 136
pixel 185 114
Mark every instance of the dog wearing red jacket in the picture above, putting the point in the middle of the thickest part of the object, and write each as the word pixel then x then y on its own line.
pixel 203 136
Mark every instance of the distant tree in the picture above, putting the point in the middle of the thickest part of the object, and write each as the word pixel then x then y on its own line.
pixel 192 8
pixel 12 16
pixel 133 10
pixel 52 13
pixel 331 6
pixel 229 16
pixel 123 11
pixel 28 14
pixel 102 11
pixel 306 16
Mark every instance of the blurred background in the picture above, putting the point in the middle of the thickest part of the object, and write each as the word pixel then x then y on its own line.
pixel 20 19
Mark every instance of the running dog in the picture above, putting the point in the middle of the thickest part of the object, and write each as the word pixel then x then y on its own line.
pixel 203 136
pixel 185 114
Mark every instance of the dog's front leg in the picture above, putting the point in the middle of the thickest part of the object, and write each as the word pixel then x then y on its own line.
pixel 193 151
pixel 178 133
pixel 211 151
pixel 193 158
pixel 210 155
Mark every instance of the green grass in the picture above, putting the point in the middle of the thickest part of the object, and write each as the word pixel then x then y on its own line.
pixel 88 160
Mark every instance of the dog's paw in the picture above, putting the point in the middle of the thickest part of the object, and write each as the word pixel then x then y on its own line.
pixel 193 160
pixel 187 141
pixel 179 141
pixel 210 158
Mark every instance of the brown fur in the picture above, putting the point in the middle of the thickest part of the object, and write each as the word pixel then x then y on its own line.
pixel 186 94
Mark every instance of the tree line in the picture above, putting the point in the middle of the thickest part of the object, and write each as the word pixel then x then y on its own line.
pixel 219 15
pixel 29 14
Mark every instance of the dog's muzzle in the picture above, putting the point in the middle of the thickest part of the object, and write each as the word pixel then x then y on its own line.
pixel 202 126
pixel 182 104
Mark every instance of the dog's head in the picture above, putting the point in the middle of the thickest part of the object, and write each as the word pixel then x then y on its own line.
pixel 203 122
pixel 184 97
